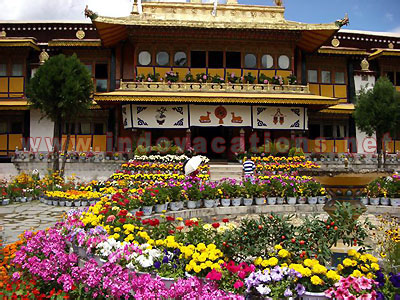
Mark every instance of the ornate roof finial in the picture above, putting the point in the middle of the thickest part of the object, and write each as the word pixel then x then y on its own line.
pixel 344 21
pixel 90 14
pixel 364 65
pixel 278 2
pixel 43 57
pixel 3 34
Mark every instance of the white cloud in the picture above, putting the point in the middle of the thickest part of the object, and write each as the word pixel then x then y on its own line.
pixel 389 17
pixel 61 9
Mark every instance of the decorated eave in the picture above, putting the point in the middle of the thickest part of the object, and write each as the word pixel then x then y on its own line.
pixel 19 42
pixel 215 97
pixel 342 51
pixel 74 43
pixel 344 108
pixel 384 52
pixel 199 15
pixel 14 105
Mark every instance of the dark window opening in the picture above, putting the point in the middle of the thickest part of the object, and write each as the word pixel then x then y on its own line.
pixel 233 60
pixel 198 59
pixel 397 78
pixel 215 59
pixel 314 131
pixel 98 128
pixel 71 129
pixel 16 127
pixel 101 71
pixel 390 76
pixel 328 131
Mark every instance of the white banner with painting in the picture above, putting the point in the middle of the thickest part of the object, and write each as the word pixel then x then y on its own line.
pixel 127 116
pixel 160 116
pixel 275 117
pixel 220 115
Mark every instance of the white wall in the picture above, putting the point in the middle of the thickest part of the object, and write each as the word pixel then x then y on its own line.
pixel 40 131
pixel 365 144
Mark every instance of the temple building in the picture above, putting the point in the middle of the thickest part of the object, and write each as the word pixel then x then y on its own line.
pixel 214 74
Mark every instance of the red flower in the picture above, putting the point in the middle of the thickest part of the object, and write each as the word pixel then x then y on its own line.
pixel 215 225
pixel 123 213
pixel 238 284
pixel 189 223
pixel 139 214
pixel 225 220
pixel 171 231
pixel 154 222
pixel 144 222
pixel 122 220
pixel 179 227
pixel 169 218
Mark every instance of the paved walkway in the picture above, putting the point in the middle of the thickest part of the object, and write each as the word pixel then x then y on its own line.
pixel 18 217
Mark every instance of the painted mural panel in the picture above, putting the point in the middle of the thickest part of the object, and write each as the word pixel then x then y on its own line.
pixel 275 117
pixel 160 116
pixel 220 115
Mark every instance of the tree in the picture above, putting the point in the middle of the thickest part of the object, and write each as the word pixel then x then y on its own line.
pixel 61 89
pixel 378 111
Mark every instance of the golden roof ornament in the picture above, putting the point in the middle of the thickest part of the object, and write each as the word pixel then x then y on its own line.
pixel 391 46
pixel 278 2
pixel 3 34
pixel 364 65
pixel 43 57
pixel 335 43
pixel 80 34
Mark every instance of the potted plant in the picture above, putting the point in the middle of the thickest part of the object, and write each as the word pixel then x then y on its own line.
pixel 161 200
pixel 171 77
pixel 148 200
pixel 202 78
pixel 189 77
pixel 373 191
pixel 217 79
pixel 194 195
pixel 263 79
pixel 225 191
pixel 236 194
pixel 249 78
pixel 292 79
pixel 291 193
pixel 208 194
pixel 394 190
pixel 249 190
pixel 232 78
pixel 259 194
pixel 153 77
pixel 176 196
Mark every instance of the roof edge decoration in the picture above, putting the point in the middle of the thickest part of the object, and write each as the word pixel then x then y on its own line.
pixel 75 43
pixel 199 15
pixel 19 42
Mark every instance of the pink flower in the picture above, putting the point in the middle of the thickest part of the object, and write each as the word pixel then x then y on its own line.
pixel 110 219
pixel 265 81
pixel 214 275
pixel 205 77
pixel 365 283
pixel 238 284
pixel 233 75
pixel 365 297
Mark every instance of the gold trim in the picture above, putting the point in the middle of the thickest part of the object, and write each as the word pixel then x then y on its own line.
pixel 19 43
pixel 121 98
pixel 384 52
pixel 336 111
pixel 343 52
pixel 335 43
pixel 78 43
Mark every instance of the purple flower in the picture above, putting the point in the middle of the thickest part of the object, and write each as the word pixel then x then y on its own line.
pixel 395 279
pixel 16 276
pixel 288 293
pixel 300 289
pixel 157 265
pixel 165 260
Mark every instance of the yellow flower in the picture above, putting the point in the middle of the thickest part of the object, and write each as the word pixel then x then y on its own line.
pixel 278 247
pixel 315 280
pixel 375 266
pixel 356 273
pixel 347 262
pixel 197 269
pixel 273 261
pixel 351 252
pixel 340 267
pixel 333 275
pixel 283 253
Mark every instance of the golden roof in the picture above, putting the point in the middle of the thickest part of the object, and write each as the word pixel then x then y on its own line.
pixel 75 43
pixel 384 52
pixel 342 51
pixel 344 108
pixel 14 105
pixel 202 97
pixel 198 15
pixel 19 42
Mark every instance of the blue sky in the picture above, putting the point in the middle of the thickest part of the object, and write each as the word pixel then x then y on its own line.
pixel 373 15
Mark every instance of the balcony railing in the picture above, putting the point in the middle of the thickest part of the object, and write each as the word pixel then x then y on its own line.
pixel 212 87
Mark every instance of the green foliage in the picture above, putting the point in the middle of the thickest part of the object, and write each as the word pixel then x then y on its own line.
pixel 61 88
pixel 296 152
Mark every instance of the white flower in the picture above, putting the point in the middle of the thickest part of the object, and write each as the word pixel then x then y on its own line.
pixel 144 261
pixel 263 290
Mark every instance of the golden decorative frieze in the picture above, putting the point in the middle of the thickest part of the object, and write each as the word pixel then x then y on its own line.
pixel 15 42
pixel 76 43
pixel 198 15
pixel 213 87
pixel 80 34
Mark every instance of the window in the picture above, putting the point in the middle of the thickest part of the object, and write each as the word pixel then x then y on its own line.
pixel 162 58
pixel 85 128
pixel 98 128
pixel 198 59
pixel 144 58
pixel 397 78
pixel 180 59
pixel 312 76
pixel 250 61
pixel 3 127
pixel 284 62
pixel 215 59
pixel 328 131
pixel 16 127
pixel 339 77
pixel 16 70
pixel 233 60
pixel 71 130
pixel 33 72
pixel 314 131
pixel 267 61
pixel 364 77
pixel 326 77
pixel 3 70
pixel 390 76
pixel 101 71
pixel 101 85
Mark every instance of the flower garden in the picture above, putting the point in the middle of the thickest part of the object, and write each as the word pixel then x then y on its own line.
pixel 111 249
